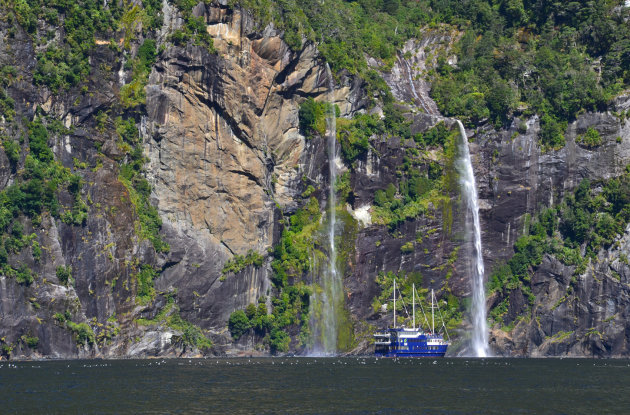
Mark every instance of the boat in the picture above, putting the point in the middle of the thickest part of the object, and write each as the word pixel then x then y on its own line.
pixel 411 342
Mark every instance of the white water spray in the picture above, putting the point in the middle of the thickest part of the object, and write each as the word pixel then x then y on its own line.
pixel 329 295
pixel 469 190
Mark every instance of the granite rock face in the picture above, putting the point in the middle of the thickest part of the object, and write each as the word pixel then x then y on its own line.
pixel 517 179
pixel 227 164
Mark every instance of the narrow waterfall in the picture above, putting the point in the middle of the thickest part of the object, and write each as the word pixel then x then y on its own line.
pixel 327 297
pixel 413 87
pixel 479 339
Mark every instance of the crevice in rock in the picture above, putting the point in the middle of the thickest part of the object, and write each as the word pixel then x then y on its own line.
pixel 227 247
pixel 249 175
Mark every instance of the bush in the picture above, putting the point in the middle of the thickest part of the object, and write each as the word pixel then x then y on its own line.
pixel 353 135
pixel 64 274
pixel 38 142
pixel 238 324
pixel 312 117
pixel 407 248
pixel 37 251
pixel 552 132
pixel 145 290
pixel 24 275
pixel 240 262
pixel 30 341
pixel 279 341
pixel 435 136
pixel 7 105
pixel 590 139
pixel 12 150
pixel 82 332
pixel 60 318
pixel 191 334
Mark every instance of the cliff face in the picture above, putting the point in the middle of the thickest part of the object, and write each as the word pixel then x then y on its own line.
pixel 575 312
pixel 228 166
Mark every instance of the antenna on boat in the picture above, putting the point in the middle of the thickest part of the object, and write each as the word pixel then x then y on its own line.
pixel 413 290
pixel 432 312
pixel 394 303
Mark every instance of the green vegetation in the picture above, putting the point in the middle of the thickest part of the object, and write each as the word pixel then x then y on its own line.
pixel 421 181
pixel 407 248
pixel 36 250
pixel 353 135
pixel 450 306
pixel 290 304
pixel 239 262
pixel 30 341
pixel 145 292
pixel 560 336
pixel 78 214
pixel 12 150
pixel 534 55
pixel 552 132
pixel 554 59
pixel 435 136
pixel 169 316
pixel 64 61
pixel 193 29
pixel 35 188
pixel 83 333
pixel 132 94
pixel 64 275
pixel 292 253
pixel 23 274
pixel 192 335
pixel 574 232
pixel 132 176
pixel 346 30
pixel 290 310
pixel 238 324
pixel 34 192
pixel 590 139
pixel 61 318
pixel 312 117
pixel 7 105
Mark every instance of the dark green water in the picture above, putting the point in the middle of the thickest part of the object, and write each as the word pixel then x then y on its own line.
pixel 317 386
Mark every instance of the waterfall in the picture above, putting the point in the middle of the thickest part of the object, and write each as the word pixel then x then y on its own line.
pixel 469 191
pixel 327 297
pixel 413 88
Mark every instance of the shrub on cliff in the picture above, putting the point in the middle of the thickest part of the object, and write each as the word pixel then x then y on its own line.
pixel 239 262
pixel 82 332
pixel 312 117
pixel 279 341
pixel 64 274
pixel 238 324
pixel 590 139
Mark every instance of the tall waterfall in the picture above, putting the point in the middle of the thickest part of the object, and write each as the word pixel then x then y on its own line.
pixel 328 295
pixel 469 191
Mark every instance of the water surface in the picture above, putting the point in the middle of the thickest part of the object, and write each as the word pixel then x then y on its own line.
pixel 317 386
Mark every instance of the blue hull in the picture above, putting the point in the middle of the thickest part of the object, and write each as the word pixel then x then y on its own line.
pixel 407 354
pixel 409 343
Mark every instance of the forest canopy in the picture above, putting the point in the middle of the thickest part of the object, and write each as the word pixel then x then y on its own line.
pixel 550 58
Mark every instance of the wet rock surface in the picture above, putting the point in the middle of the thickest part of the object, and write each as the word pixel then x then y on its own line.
pixel 227 164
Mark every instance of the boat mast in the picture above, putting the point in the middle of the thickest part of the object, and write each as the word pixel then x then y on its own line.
pixel 432 312
pixel 413 293
pixel 394 303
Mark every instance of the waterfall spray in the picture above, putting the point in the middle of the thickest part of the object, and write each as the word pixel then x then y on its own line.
pixel 478 309
pixel 329 295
